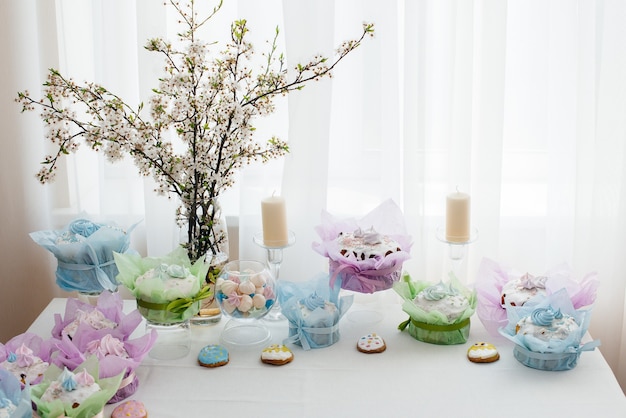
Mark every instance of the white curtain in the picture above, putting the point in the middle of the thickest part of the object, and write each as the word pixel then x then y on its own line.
pixel 520 103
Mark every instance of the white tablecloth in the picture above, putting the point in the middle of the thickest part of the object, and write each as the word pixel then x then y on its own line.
pixel 410 379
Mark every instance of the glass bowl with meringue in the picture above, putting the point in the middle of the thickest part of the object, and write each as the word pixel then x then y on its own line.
pixel 246 292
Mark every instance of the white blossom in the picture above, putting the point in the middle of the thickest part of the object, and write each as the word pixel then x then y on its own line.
pixel 209 102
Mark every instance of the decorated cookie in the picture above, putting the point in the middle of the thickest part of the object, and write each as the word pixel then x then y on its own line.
pixel 371 343
pixel 130 409
pixel 276 354
pixel 213 356
pixel 483 353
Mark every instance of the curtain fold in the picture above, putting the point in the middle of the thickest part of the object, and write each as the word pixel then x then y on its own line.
pixel 26 205
pixel 519 103
pixel 601 246
pixel 304 180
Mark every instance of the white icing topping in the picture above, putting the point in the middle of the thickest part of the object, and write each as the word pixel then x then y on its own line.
pixel 364 245
pixel 94 318
pixel 560 328
pixel 82 390
pixel 329 307
pixel 517 292
pixel 370 342
pixel 452 306
pixel 26 367
pixel 276 352
pixel 482 351
pixel 171 281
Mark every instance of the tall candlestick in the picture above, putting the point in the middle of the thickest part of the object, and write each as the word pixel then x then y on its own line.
pixel 274 214
pixel 458 217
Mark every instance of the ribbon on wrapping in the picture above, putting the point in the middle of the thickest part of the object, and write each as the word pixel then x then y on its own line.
pixel 434 327
pixel 177 306
pixel 101 276
pixel 590 346
pixel 127 381
pixel 366 278
pixel 301 330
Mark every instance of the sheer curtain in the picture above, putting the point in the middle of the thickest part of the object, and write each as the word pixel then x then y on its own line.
pixel 519 103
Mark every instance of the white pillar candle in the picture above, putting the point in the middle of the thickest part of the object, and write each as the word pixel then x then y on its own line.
pixel 458 217
pixel 274 214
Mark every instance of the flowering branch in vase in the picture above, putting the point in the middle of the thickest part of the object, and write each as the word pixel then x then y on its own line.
pixel 206 100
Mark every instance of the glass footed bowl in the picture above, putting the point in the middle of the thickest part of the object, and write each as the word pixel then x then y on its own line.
pixel 245 290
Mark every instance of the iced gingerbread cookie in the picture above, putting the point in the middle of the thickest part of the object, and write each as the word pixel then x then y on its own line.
pixel 277 355
pixel 483 353
pixel 213 355
pixel 130 409
pixel 371 343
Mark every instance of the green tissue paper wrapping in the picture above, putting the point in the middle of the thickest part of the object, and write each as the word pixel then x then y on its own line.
pixel 157 303
pixel 434 327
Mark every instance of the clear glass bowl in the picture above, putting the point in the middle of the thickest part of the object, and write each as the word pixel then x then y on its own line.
pixel 246 292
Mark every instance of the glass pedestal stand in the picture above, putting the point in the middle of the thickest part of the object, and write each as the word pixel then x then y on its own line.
pixel 245 334
pixel 367 314
pixel 457 251
pixel 274 260
pixel 90 298
pixel 173 341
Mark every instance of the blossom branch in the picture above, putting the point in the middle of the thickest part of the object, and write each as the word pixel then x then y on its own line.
pixel 210 102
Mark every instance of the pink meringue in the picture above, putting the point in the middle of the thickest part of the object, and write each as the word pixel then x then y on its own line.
pixel 234 299
pixel 107 346
pixel 85 379
pixel 25 356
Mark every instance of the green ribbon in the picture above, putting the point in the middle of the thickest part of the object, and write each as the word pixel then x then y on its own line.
pixel 179 305
pixel 433 327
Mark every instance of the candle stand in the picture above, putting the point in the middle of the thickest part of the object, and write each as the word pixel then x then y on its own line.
pixel 457 251
pixel 274 260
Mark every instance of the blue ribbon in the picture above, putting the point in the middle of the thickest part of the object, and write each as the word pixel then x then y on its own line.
pixel 301 332
pixel 590 346
pixel 101 276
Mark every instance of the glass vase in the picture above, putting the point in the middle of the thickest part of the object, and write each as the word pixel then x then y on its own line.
pixel 210 312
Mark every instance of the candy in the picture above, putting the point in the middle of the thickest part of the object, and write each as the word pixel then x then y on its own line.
pixel 246 303
pixel 228 287
pixel 247 288
pixel 258 301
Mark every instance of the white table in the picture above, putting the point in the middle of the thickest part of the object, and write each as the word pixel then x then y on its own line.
pixel 410 379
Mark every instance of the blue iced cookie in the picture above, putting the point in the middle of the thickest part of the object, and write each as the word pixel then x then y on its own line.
pixel 213 356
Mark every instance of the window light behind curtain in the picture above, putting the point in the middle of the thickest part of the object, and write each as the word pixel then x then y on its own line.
pixel 520 103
